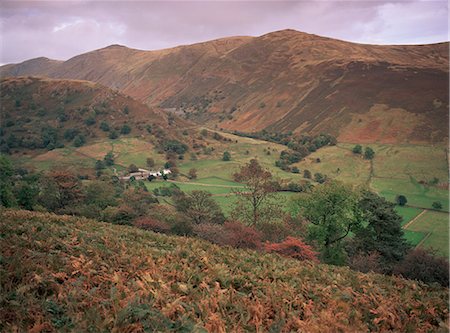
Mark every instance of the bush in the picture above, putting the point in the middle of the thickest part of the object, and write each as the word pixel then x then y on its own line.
pixel 307 174
pixel 90 121
pixel 104 126
pixel 241 236
pixel 437 205
pixel 425 266
pixel 148 223
pixel 113 135
pixel 366 262
pixel 214 233
pixel 295 170
pixel 293 248
pixel 182 227
pixel 369 153
pixel 274 232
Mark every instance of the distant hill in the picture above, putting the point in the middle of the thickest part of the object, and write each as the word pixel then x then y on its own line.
pixel 282 81
pixel 41 113
pixel 61 273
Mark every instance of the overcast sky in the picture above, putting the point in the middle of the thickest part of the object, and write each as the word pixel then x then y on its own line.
pixel 63 29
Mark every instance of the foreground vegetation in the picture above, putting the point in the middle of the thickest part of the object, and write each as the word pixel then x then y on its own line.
pixel 63 273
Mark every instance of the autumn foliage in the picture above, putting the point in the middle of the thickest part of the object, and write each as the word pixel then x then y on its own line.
pixel 293 248
pixel 72 274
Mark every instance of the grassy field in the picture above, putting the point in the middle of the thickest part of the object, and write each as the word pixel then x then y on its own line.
pixel 67 274
pixel 408 213
pixel 434 225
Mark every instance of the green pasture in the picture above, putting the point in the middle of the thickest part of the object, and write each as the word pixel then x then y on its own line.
pixel 435 226
pixel 407 213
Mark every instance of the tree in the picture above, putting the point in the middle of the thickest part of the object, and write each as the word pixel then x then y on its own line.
pixel 437 205
pixel 381 233
pixel 100 194
pixel 79 140
pixel 332 211
pixel 150 162
pixel 369 153
pixel 109 158
pixel 175 147
pixel 199 207
pixel 104 126
pixel 226 156
pixel 113 135
pixel 60 188
pixel 255 202
pixel 401 200
pixel 192 174
pixel 125 129
pixel 295 170
pixel 7 198
pixel 357 149
pixel 99 165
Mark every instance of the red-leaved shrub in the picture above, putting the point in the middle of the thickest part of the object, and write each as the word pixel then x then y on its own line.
pixel 293 248
pixel 423 265
pixel 241 236
pixel 149 223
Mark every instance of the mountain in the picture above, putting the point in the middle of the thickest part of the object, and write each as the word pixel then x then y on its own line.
pixel 282 81
pixel 41 113
pixel 65 273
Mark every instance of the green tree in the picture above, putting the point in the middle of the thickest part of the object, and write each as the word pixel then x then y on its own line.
pixel 125 129
pixel 401 200
pixel 436 205
pixel 226 156
pixel 357 149
pixel 369 153
pixel 381 232
pixel 79 140
pixel 109 158
pixel 332 211
pixel 113 135
pixel 200 207
pixel 104 126
pixel 7 198
pixel 100 194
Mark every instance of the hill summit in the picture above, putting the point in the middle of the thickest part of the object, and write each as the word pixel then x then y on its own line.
pixel 281 81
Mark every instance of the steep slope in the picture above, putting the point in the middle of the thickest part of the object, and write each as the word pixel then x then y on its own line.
pixel 285 80
pixel 38 113
pixel 61 273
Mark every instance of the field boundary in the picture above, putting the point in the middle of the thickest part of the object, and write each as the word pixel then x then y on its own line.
pixel 414 219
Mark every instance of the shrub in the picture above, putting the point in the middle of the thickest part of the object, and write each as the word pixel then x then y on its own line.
pixel 241 236
pixel 437 205
pixel 295 170
pixel 293 248
pixel 366 262
pixel 214 233
pixel 425 266
pixel 90 121
pixel 369 153
pixel 148 223
pixel 182 227
pixel 274 232
pixel 104 126
pixel 307 174
pixel 113 135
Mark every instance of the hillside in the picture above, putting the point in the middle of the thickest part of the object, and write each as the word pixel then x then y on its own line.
pixel 61 273
pixel 41 113
pixel 281 81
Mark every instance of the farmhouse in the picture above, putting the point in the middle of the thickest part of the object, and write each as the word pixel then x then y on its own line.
pixel 143 174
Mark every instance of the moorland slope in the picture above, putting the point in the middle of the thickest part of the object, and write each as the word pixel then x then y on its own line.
pixel 281 81
pixel 62 273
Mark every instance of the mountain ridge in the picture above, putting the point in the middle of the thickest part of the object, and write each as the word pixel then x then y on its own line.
pixel 280 81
